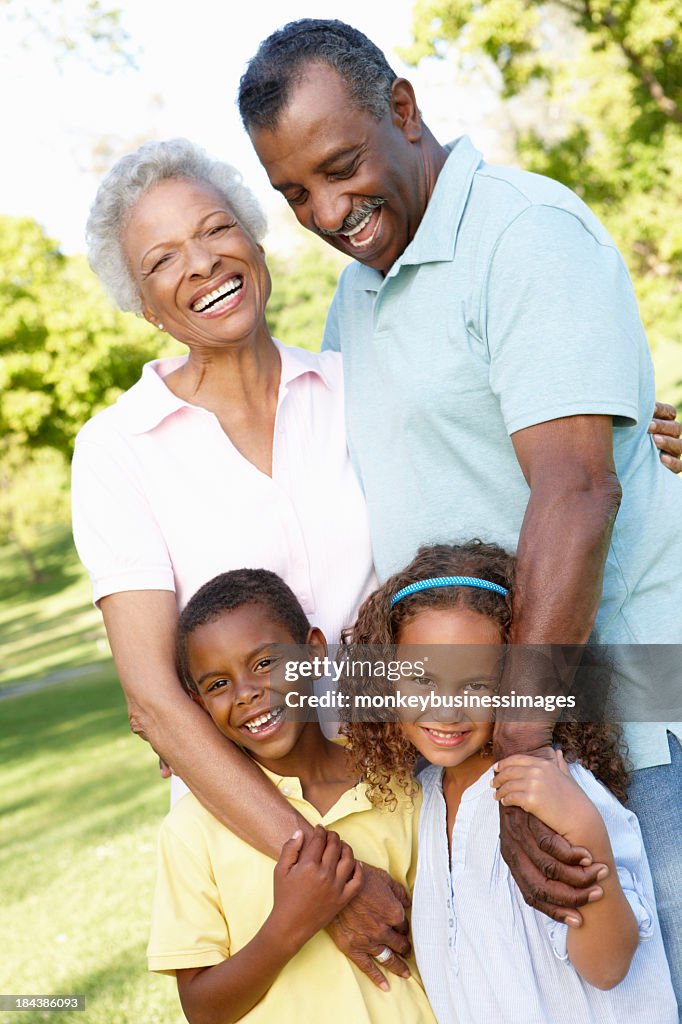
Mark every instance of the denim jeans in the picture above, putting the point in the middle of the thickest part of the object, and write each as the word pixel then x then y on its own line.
pixel 656 798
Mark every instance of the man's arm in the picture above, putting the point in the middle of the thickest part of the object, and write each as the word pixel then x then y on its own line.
pixel 566 531
pixel 574 499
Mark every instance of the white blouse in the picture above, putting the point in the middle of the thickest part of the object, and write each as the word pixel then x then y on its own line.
pixel 162 500
pixel 486 957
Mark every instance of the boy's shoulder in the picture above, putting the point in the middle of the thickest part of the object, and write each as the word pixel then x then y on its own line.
pixel 188 820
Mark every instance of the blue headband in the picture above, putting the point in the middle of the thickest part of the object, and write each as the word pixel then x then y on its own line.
pixel 447 581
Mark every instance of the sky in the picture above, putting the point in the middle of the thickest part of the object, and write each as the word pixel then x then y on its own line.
pixel 65 122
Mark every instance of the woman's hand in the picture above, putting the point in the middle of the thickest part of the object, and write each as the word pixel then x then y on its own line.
pixel 666 431
pixel 313 881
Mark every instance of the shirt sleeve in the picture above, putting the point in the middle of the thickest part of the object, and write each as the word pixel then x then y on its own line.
pixel 114 528
pixel 561 323
pixel 629 856
pixel 188 927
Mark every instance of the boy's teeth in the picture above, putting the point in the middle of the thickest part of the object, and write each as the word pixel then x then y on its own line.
pixel 218 293
pixel 256 723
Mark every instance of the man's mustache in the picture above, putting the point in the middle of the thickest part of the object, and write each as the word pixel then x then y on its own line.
pixel 354 218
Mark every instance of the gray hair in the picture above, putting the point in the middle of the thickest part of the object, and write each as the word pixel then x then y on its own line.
pixel 283 58
pixel 125 184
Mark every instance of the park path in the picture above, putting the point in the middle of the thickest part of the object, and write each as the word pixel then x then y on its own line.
pixel 50 680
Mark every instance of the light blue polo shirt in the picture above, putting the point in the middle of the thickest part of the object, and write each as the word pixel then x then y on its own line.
pixel 510 307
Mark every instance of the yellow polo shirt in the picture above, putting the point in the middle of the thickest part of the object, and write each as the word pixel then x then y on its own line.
pixel 214 892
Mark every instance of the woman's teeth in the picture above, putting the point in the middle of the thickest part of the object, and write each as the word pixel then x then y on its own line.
pixel 269 718
pixel 226 291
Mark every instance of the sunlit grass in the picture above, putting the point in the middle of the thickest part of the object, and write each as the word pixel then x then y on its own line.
pixel 49 627
pixel 80 804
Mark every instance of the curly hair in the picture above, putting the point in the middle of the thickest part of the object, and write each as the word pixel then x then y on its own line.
pixel 379 749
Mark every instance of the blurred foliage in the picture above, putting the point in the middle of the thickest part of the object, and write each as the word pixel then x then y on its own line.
pixel 609 123
pixel 90 30
pixel 64 354
pixel 302 288
pixel 34 494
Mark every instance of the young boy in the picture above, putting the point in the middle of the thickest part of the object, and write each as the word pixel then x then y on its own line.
pixel 238 952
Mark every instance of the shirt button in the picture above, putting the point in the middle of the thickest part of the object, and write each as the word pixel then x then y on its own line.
pixel 286 790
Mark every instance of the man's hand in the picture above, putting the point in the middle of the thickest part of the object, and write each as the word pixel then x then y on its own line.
pixel 553 876
pixel 374 920
pixel 666 431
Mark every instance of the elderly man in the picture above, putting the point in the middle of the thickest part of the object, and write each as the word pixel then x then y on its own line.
pixel 483 295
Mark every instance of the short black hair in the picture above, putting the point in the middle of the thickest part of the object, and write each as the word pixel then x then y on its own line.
pixel 282 59
pixel 232 590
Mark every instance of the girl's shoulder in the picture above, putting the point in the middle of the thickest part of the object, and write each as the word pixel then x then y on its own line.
pixel 615 815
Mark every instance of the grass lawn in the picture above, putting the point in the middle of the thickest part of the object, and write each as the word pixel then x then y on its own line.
pixel 52 627
pixel 80 804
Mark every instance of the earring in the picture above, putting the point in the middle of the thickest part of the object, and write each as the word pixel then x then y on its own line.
pixel 160 326
pixel 486 750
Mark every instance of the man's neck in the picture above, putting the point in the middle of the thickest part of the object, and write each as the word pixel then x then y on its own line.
pixel 435 156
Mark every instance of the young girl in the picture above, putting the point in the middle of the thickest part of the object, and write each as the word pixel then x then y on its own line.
pixel 484 955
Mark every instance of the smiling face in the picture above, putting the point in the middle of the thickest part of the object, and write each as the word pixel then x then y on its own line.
pixel 236 661
pixel 199 272
pixel 471 665
pixel 357 181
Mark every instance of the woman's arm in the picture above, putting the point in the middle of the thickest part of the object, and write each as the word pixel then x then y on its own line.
pixel 312 883
pixel 601 950
pixel 141 628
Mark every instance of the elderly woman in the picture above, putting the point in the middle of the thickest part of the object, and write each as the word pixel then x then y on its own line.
pixel 231 456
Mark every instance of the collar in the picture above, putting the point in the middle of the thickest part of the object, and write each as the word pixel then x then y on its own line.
pixel 352 801
pixel 475 790
pixel 436 236
pixel 150 401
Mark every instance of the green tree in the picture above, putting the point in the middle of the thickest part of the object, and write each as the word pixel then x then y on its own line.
pixel 34 494
pixel 610 122
pixel 303 285
pixel 65 352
